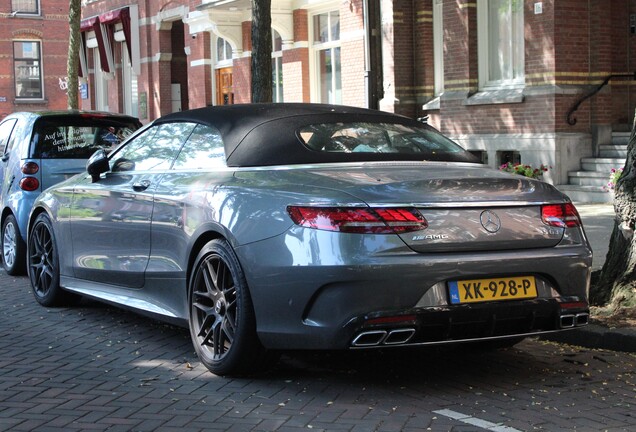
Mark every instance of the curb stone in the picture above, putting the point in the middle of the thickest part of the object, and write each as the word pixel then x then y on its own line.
pixel 596 336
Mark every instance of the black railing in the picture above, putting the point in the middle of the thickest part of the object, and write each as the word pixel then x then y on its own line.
pixel 570 119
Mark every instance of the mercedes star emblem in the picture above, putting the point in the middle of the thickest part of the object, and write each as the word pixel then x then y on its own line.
pixel 490 221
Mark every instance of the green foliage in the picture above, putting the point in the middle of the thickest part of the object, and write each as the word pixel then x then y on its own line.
pixel 524 170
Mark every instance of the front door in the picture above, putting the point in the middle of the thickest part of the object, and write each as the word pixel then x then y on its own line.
pixel 224 92
pixel 111 217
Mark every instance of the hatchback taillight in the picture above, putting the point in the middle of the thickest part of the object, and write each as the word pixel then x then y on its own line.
pixel 359 219
pixel 30 168
pixel 560 215
pixel 29 184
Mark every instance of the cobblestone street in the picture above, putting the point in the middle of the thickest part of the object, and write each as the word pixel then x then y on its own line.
pixel 96 368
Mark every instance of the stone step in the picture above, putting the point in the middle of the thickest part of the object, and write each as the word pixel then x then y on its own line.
pixel 601 164
pixel 587 194
pixel 588 178
pixel 613 151
pixel 620 138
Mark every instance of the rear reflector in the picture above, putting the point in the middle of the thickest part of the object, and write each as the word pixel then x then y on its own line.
pixel 397 319
pixel 29 184
pixel 574 305
pixel 560 215
pixel 359 219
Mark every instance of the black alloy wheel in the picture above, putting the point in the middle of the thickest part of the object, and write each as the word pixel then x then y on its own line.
pixel 44 268
pixel 222 322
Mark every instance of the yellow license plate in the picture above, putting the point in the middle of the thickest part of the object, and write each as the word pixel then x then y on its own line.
pixel 483 290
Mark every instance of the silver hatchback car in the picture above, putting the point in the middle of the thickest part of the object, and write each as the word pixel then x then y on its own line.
pixel 39 149
pixel 298 226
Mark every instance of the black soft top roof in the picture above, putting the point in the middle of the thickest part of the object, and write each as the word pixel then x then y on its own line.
pixel 266 134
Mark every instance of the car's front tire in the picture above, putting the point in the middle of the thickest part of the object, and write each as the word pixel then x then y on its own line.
pixel 222 321
pixel 13 247
pixel 44 267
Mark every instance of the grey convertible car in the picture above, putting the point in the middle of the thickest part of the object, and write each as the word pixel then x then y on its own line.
pixel 298 226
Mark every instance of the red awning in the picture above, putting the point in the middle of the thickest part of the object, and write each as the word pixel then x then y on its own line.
pixel 119 16
pixel 111 17
pixel 94 25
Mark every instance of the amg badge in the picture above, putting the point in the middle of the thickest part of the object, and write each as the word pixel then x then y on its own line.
pixel 431 237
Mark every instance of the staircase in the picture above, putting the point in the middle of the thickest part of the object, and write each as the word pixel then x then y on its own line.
pixel 589 184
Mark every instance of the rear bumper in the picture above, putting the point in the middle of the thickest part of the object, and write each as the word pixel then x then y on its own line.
pixel 306 299
pixel 454 324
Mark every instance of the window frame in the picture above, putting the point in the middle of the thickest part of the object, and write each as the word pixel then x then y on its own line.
pixel 517 63
pixel 438 46
pixel 225 60
pixel 16 11
pixel 277 68
pixel 130 88
pixel 39 65
pixel 316 47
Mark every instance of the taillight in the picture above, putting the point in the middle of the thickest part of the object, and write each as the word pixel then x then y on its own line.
pixel 560 215
pixel 30 168
pixel 29 184
pixel 359 219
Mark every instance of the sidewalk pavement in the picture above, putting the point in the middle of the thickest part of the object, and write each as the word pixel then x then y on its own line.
pixel 598 222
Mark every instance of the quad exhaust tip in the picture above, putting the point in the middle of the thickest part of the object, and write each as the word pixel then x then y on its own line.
pixel 383 337
pixel 574 320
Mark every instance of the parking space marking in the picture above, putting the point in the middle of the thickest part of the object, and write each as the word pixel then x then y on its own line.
pixel 484 424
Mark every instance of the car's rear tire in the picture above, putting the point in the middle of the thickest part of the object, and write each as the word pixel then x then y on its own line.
pixel 13 247
pixel 222 321
pixel 44 267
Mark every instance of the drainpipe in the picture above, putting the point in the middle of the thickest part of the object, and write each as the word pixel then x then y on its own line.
pixel 368 72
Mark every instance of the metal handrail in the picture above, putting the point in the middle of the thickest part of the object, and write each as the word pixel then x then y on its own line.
pixel 571 120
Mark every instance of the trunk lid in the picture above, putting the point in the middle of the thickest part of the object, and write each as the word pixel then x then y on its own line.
pixel 468 207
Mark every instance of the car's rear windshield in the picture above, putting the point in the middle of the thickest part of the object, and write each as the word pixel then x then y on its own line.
pixel 374 138
pixel 77 137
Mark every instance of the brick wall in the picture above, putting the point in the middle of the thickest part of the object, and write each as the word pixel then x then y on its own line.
pixel 200 92
pixel 51 30
pixel 423 50
pixel 352 54
pixel 296 75
pixel 242 80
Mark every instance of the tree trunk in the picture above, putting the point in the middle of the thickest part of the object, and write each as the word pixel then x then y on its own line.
pixel 616 286
pixel 261 50
pixel 72 64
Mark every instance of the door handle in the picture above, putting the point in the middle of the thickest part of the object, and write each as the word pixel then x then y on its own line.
pixel 141 186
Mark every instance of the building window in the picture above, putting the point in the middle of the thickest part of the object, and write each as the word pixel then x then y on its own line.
pixel 130 88
pixel 326 45
pixel 277 67
pixel 438 45
pixel 223 51
pixel 101 83
pixel 25 7
pixel 501 43
pixel 28 70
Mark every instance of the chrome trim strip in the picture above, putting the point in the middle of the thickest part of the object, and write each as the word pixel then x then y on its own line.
pixel 433 205
pixel 483 339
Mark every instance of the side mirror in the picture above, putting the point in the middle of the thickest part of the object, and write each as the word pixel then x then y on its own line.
pixel 97 164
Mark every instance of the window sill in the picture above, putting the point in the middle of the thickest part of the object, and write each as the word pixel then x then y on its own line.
pixel 432 105
pixel 492 97
pixel 31 101
pixel 25 15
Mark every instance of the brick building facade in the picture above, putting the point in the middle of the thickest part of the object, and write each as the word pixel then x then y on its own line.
pixel 499 76
pixel 33 53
